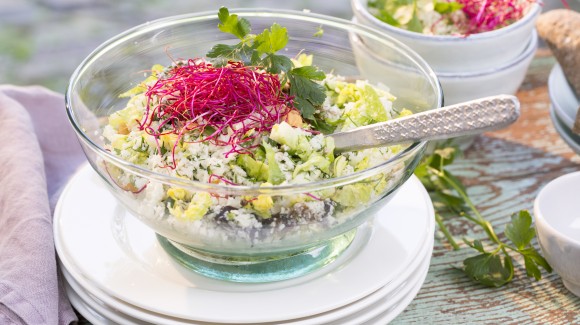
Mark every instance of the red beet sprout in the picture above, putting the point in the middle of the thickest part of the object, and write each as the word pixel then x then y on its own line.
pixel 487 15
pixel 231 105
pixel 314 196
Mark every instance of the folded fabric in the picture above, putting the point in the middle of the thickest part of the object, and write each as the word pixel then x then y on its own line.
pixel 39 152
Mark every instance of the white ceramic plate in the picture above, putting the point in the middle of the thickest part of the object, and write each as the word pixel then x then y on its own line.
pixel 381 299
pixel 89 313
pixel 562 96
pixel 387 307
pixel 390 314
pixel 385 293
pixel 93 305
pixel 121 256
pixel 566 134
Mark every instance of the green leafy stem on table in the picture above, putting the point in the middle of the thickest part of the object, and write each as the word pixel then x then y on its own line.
pixel 493 265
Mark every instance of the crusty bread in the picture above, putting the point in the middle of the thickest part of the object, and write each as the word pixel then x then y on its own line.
pixel 560 29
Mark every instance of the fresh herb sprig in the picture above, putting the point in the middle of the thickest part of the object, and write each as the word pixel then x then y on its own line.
pixel 389 12
pixel 260 50
pixel 493 265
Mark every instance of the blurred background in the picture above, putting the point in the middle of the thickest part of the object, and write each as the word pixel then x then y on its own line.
pixel 42 41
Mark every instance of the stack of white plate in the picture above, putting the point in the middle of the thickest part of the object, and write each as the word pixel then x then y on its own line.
pixel 564 105
pixel 117 273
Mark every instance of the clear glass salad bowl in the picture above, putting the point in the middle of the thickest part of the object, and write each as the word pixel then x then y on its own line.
pixel 293 240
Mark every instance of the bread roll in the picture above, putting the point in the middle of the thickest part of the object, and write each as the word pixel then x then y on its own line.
pixel 560 29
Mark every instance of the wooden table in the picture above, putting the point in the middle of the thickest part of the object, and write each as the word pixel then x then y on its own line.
pixel 503 172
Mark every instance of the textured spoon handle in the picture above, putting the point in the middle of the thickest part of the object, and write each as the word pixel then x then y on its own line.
pixel 477 116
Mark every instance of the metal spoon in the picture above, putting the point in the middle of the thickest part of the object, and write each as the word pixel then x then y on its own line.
pixel 477 116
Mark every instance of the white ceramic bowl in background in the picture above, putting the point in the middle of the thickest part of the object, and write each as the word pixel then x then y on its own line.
pixel 447 53
pixel 562 96
pixel 504 78
pixel 457 87
pixel 557 213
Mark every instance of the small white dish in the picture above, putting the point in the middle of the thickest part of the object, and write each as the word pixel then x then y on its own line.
pixel 504 78
pixel 119 255
pixel 562 97
pixel 557 212
pixel 458 54
pixel 571 139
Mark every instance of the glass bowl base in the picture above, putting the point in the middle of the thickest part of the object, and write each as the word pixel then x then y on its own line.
pixel 260 269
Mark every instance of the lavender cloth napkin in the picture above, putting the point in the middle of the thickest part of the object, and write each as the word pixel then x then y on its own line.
pixel 39 152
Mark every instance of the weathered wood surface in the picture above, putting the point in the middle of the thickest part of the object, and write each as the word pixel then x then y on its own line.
pixel 503 171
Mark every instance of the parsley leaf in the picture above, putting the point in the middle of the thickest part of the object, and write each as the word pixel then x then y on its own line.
pixel 532 260
pixel 276 63
pixel 476 244
pixel 224 53
pixel 232 25
pixel 223 50
pixel 488 269
pixel 520 230
pixel 272 40
pixel 307 93
pixel 308 72
pixel 322 126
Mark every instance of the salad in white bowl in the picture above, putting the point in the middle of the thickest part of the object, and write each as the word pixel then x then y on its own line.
pixel 455 37
pixel 452 17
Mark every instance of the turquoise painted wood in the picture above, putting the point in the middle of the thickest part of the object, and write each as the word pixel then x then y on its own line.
pixel 503 172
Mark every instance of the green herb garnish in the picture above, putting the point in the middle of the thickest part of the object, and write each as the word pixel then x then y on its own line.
pixel 405 13
pixel 260 50
pixel 319 32
pixel 493 265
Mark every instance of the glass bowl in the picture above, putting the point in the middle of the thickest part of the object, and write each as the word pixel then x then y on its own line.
pixel 297 238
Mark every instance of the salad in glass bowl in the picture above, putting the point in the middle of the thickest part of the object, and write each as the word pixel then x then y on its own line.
pixel 222 150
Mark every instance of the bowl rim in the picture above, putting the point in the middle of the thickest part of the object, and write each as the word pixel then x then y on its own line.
pixel 541 219
pixel 528 52
pixel 571 139
pixel 557 75
pixel 344 24
pixel 359 6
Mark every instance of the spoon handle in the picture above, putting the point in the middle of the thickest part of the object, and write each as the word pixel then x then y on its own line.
pixel 477 116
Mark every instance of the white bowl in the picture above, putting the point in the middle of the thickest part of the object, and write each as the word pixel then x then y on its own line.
pixel 557 213
pixel 447 53
pixel 504 78
pixel 562 96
